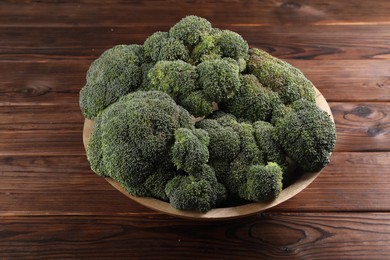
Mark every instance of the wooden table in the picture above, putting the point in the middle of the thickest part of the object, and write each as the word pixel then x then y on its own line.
pixel 53 206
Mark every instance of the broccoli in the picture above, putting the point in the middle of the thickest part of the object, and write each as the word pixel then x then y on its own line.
pixel 114 74
pixel 280 76
pixel 190 30
pixel 263 183
pixel 189 151
pixel 201 193
pixel 307 134
pixel 172 77
pixel 134 135
pixel 196 118
pixel 219 79
pixel 252 102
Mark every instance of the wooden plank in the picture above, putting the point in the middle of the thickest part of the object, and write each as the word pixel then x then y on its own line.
pixel 155 236
pixel 362 126
pixel 42 142
pixel 303 42
pixel 58 82
pixel 351 182
pixel 33 13
pixel 38 117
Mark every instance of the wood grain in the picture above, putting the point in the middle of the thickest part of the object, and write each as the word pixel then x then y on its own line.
pixel 303 42
pixel 252 13
pixel 52 206
pixel 138 236
pixel 351 182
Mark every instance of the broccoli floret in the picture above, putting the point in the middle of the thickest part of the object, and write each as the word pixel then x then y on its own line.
pixel 270 148
pixel 307 134
pixel 219 79
pixel 172 77
pixel 207 49
pixel 263 183
pixel 155 184
pixel 114 74
pixel 189 151
pixel 196 103
pixel 224 141
pixel 136 134
pixel 281 77
pixel 200 193
pixel 190 29
pixel 253 102
pixel 233 45
pixel 152 45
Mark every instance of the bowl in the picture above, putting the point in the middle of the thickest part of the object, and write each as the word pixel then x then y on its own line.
pixel 221 213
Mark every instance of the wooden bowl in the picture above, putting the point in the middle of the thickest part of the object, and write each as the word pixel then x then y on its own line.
pixel 220 213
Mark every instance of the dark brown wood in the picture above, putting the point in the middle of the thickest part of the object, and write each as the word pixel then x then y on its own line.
pixel 155 236
pixel 52 206
pixel 150 13
pixel 333 43
pixel 351 182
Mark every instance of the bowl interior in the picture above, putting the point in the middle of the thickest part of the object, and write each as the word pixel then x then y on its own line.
pixel 220 213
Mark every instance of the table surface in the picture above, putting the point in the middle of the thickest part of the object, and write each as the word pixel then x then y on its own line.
pixel 53 206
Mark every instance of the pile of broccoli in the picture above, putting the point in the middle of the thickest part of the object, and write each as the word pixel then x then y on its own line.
pixel 197 118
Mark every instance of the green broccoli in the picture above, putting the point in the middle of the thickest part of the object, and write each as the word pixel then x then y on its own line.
pixel 187 192
pixel 255 119
pixel 253 102
pixel 172 77
pixel 114 74
pixel 219 79
pixel 134 135
pixel 189 151
pixel 307 134
pixel 281 77
pixel 190 29
pixel 196 103
pixel 263 183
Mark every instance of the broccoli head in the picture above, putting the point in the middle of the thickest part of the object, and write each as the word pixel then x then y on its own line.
pixel 135 135
pixel 232 45
pixel 263 183
pixel 219 79
pixel 114 74
pixel 196 103
pixel 281 77
pixel 307 134
pixel 253 102
pixel 190 29
pixel 187 192
pixel 189 151
pixel 172 77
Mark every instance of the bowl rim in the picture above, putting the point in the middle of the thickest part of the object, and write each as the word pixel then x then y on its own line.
pixel 220 213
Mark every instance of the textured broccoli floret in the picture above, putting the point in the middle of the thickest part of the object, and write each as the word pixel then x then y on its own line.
pixel 307 134
pixel 190 29
pixel 233 45
pixel 189 151
pixel 281 77
pixel 172 77
pixel 263 183
pixel 219 79
pixel 135 136
pixel 249 155
pixel 207 49
pixel 253 102
pixel 155 184
pixel 270 148
pixel 224 141
pixel 114 74
pixel 196 103
pixel 152 45
pixel 190 193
